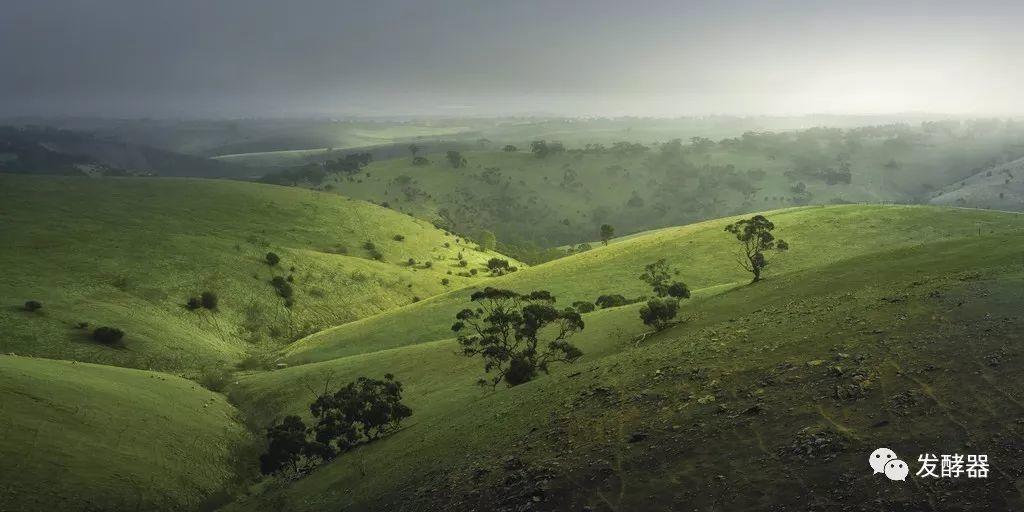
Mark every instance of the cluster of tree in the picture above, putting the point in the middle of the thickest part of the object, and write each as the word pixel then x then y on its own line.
pixel 517 335
pixel 313 174
pixel 660 311
pixel 349 164
pixel 755 238
pixel 614 300
pixel 500 266
pixel 360 412
pixel 542 149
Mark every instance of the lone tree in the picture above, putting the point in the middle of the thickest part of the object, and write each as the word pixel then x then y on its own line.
pixel 755 237
pixel 659 276
pixel 658 313
pixel 456 159
pixel 518 335
pixel 607 232
pixel 415 149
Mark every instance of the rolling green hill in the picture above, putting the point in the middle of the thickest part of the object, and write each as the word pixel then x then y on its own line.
pixel 83 437
pixel 702 252
pixel 883 326
pixel 129 253
pixel 564 197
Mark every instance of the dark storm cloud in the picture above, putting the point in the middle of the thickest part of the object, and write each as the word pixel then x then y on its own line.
pixel 258 57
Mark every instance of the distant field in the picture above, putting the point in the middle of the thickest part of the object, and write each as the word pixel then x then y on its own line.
pixel 83 437
pixel 348 140
pixel 129 253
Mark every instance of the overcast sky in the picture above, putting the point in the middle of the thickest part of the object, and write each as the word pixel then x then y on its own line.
pixel 478 57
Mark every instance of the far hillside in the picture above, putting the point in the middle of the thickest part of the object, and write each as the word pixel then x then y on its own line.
pixel 998 188
pixel 199 274
pixel 546 194
pixel 43 150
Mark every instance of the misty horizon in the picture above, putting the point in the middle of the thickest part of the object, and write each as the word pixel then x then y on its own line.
pixel 116 58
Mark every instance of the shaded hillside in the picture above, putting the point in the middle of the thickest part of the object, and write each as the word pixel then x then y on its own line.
pixel 36 150
pixel 83 437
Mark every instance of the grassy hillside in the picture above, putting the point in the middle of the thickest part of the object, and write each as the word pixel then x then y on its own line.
pixel 564 197
pixel 884 326
pixel 129 253
pixel 86 437
pixel 998 188
pixel 703 253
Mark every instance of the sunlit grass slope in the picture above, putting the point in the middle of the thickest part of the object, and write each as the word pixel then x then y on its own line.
pixel 129 253
pixel 78 436
pixel 704 254
pixel 883 327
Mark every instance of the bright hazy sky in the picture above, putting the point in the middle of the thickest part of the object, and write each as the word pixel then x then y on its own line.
pixel 195 58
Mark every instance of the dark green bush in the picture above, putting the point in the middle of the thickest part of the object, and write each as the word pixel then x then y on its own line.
pixel 209 300
pixel 33 305
pixel 583 307
pixel 107 335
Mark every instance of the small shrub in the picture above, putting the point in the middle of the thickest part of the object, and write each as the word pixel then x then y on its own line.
pixel 398 238
pixel 428 264
pixel 473 271
pixel 411 262
pixel 107 335
pixel 272 259
pixel 583 307
pixel 33 305
pixel 209 300
pixel 284 289
pixel 463 263
pixel 215 379
pixel 611 301
pixel 82 325
pixel 193 303
pixel 445 282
